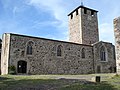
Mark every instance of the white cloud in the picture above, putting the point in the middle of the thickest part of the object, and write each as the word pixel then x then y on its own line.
pixel 45 23
pixel 55 6
pixel 59 11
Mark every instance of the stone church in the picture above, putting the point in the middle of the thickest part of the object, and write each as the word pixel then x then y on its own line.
pixel 82 54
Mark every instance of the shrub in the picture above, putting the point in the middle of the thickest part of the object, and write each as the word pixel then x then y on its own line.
pixel 116 75
pixel 12 70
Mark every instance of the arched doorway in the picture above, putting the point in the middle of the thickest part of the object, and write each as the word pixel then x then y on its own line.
pixel 22 66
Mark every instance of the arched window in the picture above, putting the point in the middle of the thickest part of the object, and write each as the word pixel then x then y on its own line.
pixel 30 48
pixel 59 50
pixel 83 53
pixel 102 53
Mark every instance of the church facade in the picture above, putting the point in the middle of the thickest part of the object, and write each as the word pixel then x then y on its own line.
pixel 83 54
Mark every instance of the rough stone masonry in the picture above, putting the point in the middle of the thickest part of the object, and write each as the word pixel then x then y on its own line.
pixel 117 42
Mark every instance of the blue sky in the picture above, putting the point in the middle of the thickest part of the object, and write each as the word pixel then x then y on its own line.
pixel 48 18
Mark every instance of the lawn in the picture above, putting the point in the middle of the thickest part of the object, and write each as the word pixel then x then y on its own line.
pixel 59 82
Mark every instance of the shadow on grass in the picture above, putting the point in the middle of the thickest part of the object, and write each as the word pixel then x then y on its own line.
pixel 90 86
pixel 52 84
pixel 4 78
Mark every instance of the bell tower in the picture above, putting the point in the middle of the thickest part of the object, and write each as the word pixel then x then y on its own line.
pixel 83 26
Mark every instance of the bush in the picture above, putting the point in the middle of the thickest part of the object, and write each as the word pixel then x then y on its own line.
pixel 116 75
pixel 12 70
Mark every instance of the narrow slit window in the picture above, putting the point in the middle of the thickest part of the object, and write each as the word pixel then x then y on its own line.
pixel 59 50
pixel 83 53
pixel 85 11
pixel 92 13
pixel 76 12
pixel 71 16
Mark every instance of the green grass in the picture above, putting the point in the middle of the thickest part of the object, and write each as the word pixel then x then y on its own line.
pixel 112 83
pixel 58 82
pixel 90 87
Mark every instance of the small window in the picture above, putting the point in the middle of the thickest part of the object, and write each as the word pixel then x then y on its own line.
pixel 85 11
pixel 71 16
pixel 92 13
pixel 83 53
pixel 59 50
pixel 77 12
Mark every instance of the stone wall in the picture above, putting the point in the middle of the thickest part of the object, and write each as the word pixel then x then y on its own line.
pixel 109 65
pixel 117 42
pixel 89 27
pixel 74 27
pixel 44 59
pixel 5 53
